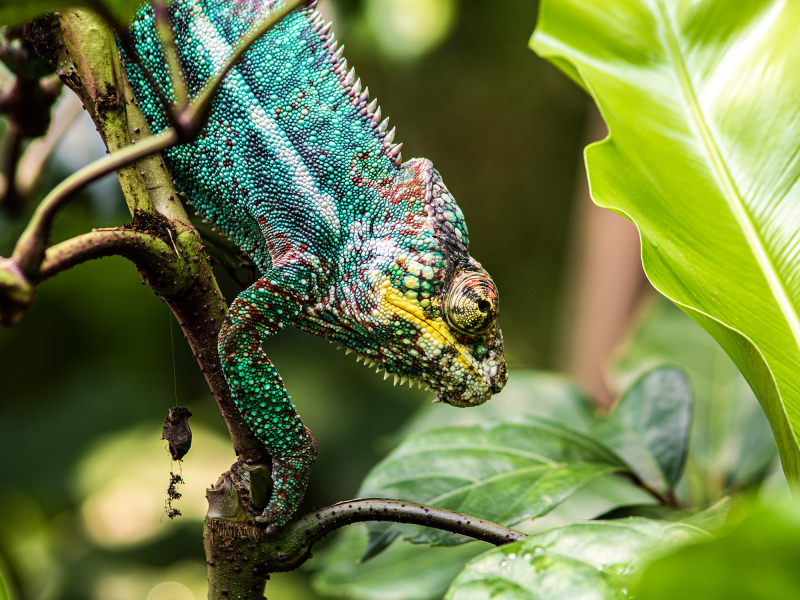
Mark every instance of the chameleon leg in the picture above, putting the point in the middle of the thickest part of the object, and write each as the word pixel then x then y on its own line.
pixel 257 313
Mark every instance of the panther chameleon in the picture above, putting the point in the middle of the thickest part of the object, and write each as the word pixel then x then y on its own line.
pixel 298 168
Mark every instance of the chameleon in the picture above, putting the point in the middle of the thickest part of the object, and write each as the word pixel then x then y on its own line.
pixel 297 166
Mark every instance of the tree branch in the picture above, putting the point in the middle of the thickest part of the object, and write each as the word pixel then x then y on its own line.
pixel 29 251
pixel 30 248
pixel 138 247
pixel 241 557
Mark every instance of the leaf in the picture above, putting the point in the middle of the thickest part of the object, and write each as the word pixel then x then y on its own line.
pixel 711 519
pixel 731 446
pixel 593 560
pixel 503 471
pixel 121 11
pixel 528 392
pixel 700 98
pixel 756 559
pixel 649 426
pixel 5 589
pixel 410 572
pixel 417 572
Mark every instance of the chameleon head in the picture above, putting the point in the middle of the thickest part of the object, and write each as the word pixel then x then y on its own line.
pixel 433 309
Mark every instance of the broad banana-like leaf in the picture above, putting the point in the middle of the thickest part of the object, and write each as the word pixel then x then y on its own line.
pixel 702 102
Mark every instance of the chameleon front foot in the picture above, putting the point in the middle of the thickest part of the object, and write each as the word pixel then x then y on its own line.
pixel 290 475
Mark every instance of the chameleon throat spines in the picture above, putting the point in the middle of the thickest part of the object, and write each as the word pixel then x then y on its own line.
pixel 297 167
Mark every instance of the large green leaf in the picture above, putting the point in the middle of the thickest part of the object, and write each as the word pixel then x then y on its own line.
pixel 701 101
pixel 649 426
pixel 503 471
pixel 596 560
pixel 5 591
pixel 756 560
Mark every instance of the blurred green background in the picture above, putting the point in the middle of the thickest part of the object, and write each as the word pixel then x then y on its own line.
pixel 87 377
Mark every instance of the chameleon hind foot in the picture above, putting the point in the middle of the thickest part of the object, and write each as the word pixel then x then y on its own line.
pixel 290 475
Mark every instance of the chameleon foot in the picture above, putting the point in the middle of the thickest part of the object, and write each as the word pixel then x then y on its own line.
pixel 290 475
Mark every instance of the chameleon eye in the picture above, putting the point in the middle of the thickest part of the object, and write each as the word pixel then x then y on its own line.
pixel 472 304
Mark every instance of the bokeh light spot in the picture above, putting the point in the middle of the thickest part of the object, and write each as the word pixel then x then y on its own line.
pixel 410 28
pixel 170 590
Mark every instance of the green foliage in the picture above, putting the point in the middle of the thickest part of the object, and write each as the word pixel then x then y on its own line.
pixel 755 560
pixel 5 592
pixel 724 410
pixel 700 102
pixel 15 12
pixel 597 560
pixel 731 447
pixel 502 471
pixel 411 572
pixel 649 426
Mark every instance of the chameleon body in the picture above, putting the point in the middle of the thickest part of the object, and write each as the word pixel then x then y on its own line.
pixel 298 168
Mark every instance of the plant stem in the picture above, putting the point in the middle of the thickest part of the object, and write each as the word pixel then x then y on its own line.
pixel 137 246
pixel 29 251
pixel 241 557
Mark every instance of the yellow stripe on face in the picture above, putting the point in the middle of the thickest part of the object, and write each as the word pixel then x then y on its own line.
pixel 435 330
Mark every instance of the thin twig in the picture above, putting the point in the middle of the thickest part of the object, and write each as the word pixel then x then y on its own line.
pixel 31 245
pixel 133 245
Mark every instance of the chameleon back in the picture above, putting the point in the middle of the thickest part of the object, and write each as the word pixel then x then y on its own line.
pixel 288 130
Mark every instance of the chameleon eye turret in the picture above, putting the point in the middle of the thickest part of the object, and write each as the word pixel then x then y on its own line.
pixel 299 168
pixel 471 306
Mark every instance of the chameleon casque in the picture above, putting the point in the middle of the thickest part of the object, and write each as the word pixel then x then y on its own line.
pixel 298 168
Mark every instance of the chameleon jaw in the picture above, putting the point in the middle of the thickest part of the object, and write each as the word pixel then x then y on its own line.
pixel 401 379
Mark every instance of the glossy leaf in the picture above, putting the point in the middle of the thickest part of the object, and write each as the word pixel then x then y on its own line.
pixel 536 393
pixel 649 426
pixel 596 560
pixel 502 471
pixel 15 12
pixel 418 572
pixel 407 571
pixel 700 98
pixel 5 590
pixel 731 446
pixel 756 560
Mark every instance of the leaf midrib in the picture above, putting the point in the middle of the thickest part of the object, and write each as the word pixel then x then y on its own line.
pixel 731 192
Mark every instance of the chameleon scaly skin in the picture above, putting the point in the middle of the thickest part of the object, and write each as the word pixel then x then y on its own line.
pixel 298 168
